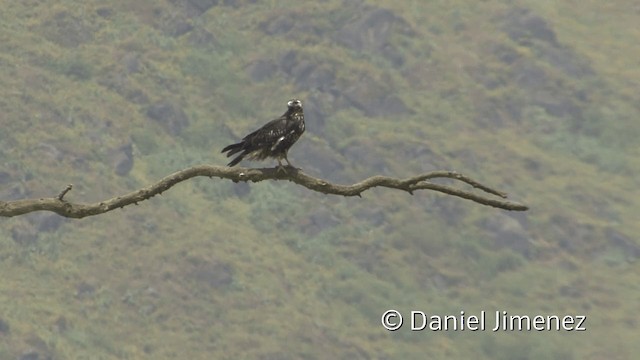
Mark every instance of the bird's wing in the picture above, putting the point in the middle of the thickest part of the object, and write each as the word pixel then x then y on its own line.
pixel 269 133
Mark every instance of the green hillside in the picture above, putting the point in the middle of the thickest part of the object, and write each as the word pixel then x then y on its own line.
pixel 535 98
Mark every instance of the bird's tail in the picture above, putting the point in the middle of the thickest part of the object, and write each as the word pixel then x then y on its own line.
pixel 237 159
pixel 233 148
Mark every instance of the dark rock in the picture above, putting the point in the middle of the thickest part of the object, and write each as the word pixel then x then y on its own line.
pixel 197 7
pixel 29 355
pixel 288 60
pixel 279 25
pixel 85 290
pixel 561 106
pixel 24 234
pixel 372 31
pixel 50 222
pixel 451 211
pixel 27 232
pixel 261 70
pixel 319 221
pixel 131 62
pixel 315 76
pixel 536 85
pixel 307 73
pixel 4 327
pixel 297 24
pixel 241 189
pixel 61 324
pixel 505 54
pixel 136 96
pixel 507 232
pixel 529 75
pixel 374 98
pixel 533 166
pixel 570 234
pixel 529 29
pixel 522 25
pixel 118 81
pixel 50 151
pixel 538 78
pixel 442 282
pixel 5 177
pixel 171 116
pixel 369 30
pixel 66 30
pixel 363 152
pixel 415 150
pixel 573 291
pixel 276 356
pixel 174 25
pixel 542 90
pixel 617 239
pixel 375 216
pixel 180 28
pixel 319 157
pixel 13 192
pixel 122 159
pixel 201 37
pixel 78 69
pixel 39 349
pixel 194 8
pixel 567 61
pixel 215 274
pixel 319 106
pixel 470 159
pixel 104 12
pixel 368 257
pixel 393 105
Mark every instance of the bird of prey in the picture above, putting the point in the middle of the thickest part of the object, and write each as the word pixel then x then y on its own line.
pixel 273 140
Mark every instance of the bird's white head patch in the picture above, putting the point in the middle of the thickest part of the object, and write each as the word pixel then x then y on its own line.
pixel 294 103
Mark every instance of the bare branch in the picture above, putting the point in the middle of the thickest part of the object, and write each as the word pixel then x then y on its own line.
pixel 79 210
pixel 64 192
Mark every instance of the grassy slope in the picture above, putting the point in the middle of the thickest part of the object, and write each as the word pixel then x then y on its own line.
pixel 203 272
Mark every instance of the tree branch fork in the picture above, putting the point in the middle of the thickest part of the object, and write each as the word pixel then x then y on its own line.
pixel 65 208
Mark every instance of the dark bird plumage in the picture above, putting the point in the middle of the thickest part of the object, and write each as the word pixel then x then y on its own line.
pixel 273 140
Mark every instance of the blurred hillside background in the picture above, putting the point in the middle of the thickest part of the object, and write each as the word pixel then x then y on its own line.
pixel 536 98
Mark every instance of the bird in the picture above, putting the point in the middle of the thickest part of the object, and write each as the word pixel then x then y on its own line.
pixel 273 140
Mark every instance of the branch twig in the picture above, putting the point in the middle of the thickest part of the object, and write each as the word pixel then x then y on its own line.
pixel 64 192
pixel 79 210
